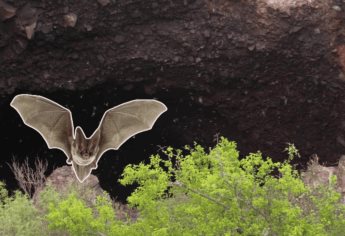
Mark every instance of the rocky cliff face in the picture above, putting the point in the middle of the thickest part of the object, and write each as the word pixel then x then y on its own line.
pixel 263 72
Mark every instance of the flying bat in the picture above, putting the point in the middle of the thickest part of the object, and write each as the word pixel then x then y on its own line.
pixel 54 123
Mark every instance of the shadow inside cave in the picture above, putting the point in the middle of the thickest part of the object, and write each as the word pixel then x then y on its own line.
pixel 177 127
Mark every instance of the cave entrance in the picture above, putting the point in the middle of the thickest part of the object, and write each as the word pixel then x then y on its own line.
pixel 176 127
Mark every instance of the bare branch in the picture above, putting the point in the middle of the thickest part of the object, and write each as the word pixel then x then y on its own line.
pixel 29 179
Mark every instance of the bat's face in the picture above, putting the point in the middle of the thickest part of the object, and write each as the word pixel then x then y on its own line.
pixel 84 151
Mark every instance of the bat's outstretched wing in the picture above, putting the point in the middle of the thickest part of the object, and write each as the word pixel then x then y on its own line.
pixel 127 119
pixel 51 120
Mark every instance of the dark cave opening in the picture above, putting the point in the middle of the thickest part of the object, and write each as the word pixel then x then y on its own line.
pixel 173 128
pixel 258 116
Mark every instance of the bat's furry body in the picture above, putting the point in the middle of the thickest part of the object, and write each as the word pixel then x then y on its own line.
pixel 54 123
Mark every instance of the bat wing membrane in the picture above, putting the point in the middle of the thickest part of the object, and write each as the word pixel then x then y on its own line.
pixel 51 120
pixel 125 120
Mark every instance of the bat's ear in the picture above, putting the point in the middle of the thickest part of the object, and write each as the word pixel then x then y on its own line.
pixel 79 135
pixel 94 141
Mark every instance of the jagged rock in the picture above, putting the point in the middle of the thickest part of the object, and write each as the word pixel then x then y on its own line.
pixel 27 20
pixel 103 2
pixel 317 174
pixel 30 30
pixel 70 20
pixel 64 181
pixel 340 173
pixel 6 11
pixel 64 176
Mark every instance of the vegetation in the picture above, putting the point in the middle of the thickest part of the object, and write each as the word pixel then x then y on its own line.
pixel 18 215
pixel 200 193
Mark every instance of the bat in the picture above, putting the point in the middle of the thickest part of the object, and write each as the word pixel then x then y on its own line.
pixel 55 124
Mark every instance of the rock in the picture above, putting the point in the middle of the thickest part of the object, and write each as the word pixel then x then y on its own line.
pixel 336 8
pixel 6 11
pixel 64 181
pixel 27 20
pixel 27 15
pixel 70 20
pixel 45 27
pixel 341 56
pixel 317 174
pixel 88 27
pixel 30 30
pixel 103 2
pixel 65 175
pixel 341 175
pixel 251 48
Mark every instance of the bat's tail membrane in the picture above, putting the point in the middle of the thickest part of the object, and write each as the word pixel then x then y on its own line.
pixel 81 172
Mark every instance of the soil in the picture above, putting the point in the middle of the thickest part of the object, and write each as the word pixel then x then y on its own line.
pixel 262 73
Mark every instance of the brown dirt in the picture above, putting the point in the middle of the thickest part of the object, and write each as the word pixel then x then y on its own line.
pixel 258 72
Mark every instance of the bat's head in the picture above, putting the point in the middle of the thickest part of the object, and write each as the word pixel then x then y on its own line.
pixel 84 150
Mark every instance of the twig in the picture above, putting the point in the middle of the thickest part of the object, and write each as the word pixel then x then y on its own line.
pixel 29 179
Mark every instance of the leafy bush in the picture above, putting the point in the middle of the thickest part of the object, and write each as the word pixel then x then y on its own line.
pixel 200 193
pixel 72 215
pixel 18 215
pixel 216 193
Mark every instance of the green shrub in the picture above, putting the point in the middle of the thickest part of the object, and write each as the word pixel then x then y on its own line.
pixel 200 193
pixel 18 215
pixel 216 193
pixel 72 215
